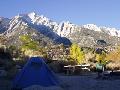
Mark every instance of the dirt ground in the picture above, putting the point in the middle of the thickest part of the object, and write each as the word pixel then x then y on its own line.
pixel 5 83
pixel 79 82
pixel 90 82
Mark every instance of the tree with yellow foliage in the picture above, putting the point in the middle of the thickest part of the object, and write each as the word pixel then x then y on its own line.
pixel 30 47
pixel 102 57
pixel 28 43
pixel 76 54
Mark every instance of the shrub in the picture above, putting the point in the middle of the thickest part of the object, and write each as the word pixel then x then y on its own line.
pixel 58 66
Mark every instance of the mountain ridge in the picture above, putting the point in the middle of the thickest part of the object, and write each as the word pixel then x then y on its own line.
pixel 85 35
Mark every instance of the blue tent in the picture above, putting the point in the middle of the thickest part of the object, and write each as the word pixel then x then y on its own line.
pixel 35 72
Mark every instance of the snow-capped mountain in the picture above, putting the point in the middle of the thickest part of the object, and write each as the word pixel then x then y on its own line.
pixel 46 28
pixel 92 27
pixel 85 35
pixel 40 23
pixel 110 31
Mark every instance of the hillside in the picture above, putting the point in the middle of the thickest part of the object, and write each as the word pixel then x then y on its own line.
pixel 48 32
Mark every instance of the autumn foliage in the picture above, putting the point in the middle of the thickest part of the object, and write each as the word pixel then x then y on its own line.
pixel 76 54
pixel 114 55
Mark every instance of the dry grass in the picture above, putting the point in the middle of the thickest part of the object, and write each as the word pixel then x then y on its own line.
pixel 113 66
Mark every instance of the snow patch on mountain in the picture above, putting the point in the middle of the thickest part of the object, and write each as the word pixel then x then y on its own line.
pixel 92 27
pixel 111 31
pixel 41 20
pixel 66 28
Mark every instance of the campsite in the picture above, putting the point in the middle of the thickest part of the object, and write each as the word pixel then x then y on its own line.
pixel 59 44
pixel 36 75
pixel 32 71
pixel 58 68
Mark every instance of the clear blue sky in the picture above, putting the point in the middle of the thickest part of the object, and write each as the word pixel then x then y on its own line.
pixel 100 12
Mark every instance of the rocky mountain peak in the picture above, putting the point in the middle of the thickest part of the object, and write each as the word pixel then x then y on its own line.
pixel 111 31
pixel 92 27
pixel 85 35
pixel 66 28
